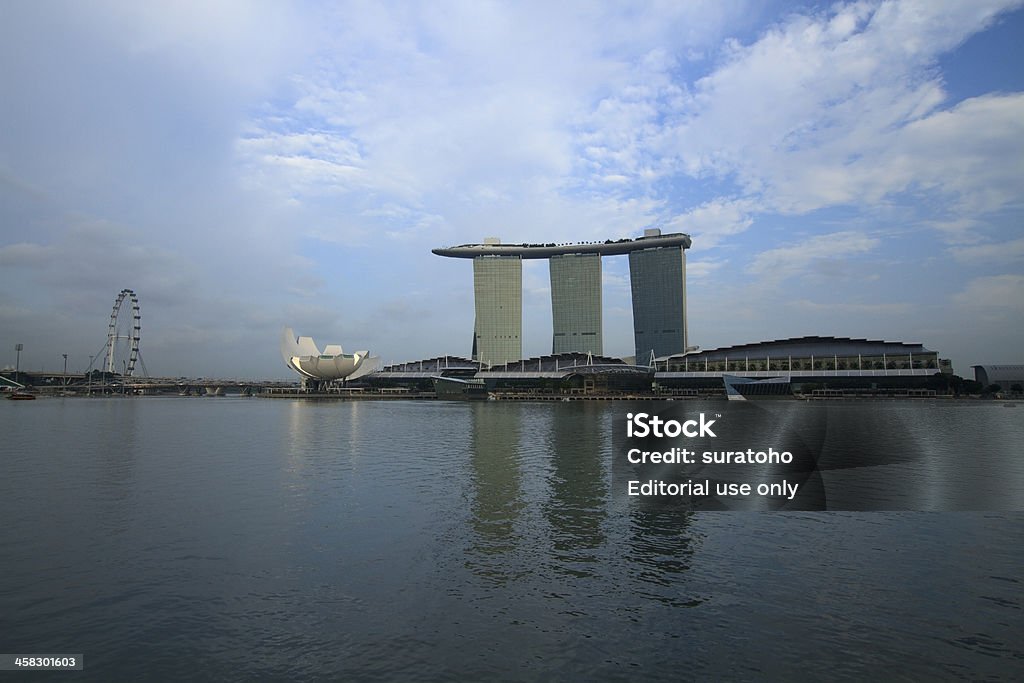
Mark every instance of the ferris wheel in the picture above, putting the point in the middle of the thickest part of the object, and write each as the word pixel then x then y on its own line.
pixel 123 335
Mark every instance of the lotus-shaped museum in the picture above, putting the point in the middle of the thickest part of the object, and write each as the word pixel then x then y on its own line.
pixel 302 355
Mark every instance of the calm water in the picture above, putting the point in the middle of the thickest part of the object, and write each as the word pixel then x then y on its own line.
pixel 224 538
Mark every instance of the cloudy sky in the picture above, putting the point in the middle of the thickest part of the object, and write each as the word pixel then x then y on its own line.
pixel 850 169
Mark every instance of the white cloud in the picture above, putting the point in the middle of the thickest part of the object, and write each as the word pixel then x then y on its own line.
pixel 614 281
pixel 501 115
pixel 844 108
pixel 995 291
pixel 245 42
pixel 871 309
pixel 957 230
pixel 698 270
pixel 973 153
pixel 990 254
pixel 714 221
pixel 839 107
pixel 25 255
pixel 775 265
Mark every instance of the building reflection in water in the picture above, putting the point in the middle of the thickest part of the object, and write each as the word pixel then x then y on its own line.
pixel 576 509
pixel 543 508
pixel 315 426
pixel 497 495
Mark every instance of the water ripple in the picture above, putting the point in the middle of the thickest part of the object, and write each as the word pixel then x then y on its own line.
pixel 244 539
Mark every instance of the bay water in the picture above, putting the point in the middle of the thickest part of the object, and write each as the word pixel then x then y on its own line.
pixel 245 538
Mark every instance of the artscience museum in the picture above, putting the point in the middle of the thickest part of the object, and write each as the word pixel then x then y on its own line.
pixel 302 355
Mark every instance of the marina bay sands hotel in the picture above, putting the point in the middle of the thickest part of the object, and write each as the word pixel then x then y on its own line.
pixel 657 275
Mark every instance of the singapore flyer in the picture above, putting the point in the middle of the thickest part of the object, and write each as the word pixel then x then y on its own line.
pixel 123 335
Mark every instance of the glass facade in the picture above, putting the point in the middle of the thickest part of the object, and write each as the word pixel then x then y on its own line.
pixel 576 304
pixel 658 282
pixel 498 297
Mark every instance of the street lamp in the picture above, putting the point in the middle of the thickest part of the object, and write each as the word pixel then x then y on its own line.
pixel 17 365
pixel 65 369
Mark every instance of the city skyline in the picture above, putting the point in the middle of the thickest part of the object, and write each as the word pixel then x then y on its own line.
pixel 848 169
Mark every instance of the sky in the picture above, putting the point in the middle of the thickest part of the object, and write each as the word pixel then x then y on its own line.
pixel 849 169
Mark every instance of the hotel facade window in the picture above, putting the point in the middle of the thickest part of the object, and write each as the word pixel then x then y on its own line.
pixel 576 304
pixel 498 297
pixel 657 280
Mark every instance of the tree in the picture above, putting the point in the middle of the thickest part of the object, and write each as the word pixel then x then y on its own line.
pixel 940 382
pixel 972 386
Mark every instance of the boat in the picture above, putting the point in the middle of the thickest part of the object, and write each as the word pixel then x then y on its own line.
pixel 20 396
